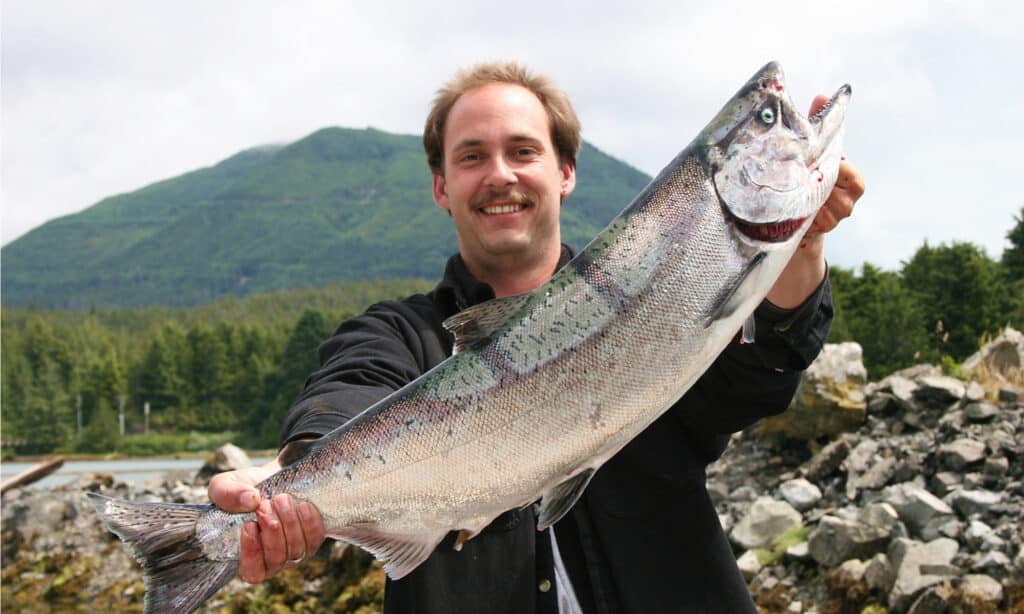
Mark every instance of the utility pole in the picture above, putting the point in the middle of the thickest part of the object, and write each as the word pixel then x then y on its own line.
pixel 78 412
pixel 120 411
pixel 145 412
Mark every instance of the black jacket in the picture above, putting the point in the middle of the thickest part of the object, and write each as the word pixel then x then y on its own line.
pixel 644 537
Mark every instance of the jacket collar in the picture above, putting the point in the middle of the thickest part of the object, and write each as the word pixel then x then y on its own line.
pixel 459 289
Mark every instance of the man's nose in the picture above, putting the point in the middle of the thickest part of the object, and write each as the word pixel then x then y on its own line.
pixel 500 173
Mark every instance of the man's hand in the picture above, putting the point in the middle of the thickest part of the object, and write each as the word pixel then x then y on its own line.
pixel 286 531
pixel 807 267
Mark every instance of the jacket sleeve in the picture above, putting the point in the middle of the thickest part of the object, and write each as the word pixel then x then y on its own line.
pixel 752 381
pixel 368 357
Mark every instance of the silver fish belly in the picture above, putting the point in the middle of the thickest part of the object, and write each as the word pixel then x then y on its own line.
pixel 546 386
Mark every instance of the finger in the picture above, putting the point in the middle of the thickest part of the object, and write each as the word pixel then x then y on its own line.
pixel 824 221
pixel 230 494
pixel 312 527
pixel 275 549
pixel 250 566
pixel 295 541
pixel 816 105
pixel 850 180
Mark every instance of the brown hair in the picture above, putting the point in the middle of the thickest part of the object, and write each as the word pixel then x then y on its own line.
pixel 565 126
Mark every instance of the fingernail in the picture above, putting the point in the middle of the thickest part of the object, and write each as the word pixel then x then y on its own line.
pixel 250 500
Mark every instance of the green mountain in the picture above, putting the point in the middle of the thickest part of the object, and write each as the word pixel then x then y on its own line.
pixel 337 205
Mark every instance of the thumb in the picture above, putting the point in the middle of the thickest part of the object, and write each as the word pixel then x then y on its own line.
pixel 231 494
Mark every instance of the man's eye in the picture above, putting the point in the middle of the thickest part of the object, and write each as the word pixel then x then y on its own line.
pixel 470 157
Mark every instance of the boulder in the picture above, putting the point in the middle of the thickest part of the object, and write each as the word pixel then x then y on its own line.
pixel 830 399
pixel 939 391
pixel 922 511
pixel 908 557
pixel 961 453
pixel 800 493
pixel 981 412
pixel 226 458
pixel 836 539
pixel 879 573
pixel 969 502
pixel 1001 357
pixel 766 520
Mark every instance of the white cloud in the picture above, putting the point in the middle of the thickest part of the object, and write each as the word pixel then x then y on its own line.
pixel 101 98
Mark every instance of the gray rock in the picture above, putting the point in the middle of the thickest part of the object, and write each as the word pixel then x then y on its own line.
pixel 994 561
pixel 976 533
pixel 861 456
pixel 226 458
pixel 1002 356
pixel 877 475
pixel 749 565
pixel 975 392
pixel 961 453
pixel 944 482
pixel 983 588
pixel 968 502
pixel 981 412
pixel 883 403
pixel 907 557
pixel 922 511
pixel 836 539
pixel 996 467
pixel 1009 395
pixel 829 459
pixel 800 493
pixel 851 571
pixel 766 520
pixel 939 391
pixel 879 573
pixel 800 551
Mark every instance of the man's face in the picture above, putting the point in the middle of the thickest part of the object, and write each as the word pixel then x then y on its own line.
pixel 503 182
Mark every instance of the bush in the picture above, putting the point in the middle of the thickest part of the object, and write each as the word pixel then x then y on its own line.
pixel 151 444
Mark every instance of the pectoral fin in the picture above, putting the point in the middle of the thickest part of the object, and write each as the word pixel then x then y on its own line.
pixel 731 297
pixel 476 324
pixel 559 500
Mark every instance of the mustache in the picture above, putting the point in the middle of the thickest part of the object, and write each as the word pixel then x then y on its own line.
pixel 515 196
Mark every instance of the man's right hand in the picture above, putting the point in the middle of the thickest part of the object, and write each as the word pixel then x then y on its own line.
pixel 286 531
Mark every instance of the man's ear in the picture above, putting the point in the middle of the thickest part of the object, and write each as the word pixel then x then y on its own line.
pixel 440 190
pixel 568 179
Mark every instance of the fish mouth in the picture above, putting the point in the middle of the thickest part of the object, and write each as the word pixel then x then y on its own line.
pixel 769 232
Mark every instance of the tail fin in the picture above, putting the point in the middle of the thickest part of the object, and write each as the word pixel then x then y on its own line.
pixel 178 575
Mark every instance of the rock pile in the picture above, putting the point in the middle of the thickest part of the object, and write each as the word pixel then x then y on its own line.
pixel 918 510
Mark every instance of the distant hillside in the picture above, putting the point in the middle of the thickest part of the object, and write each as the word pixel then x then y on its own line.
pixel 338 205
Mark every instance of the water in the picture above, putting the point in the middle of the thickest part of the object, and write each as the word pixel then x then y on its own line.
pixel 128 470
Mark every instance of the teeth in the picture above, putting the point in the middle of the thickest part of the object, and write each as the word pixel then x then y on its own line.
pixel 496 210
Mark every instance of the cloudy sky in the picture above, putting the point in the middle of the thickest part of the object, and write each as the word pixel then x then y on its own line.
pixel 107 96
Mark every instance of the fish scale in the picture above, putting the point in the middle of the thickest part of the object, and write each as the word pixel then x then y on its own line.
pixel 545 387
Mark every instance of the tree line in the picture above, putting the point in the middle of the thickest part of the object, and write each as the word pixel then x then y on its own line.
pixel 233 367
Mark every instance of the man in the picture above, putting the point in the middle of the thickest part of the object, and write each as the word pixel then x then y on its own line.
pixel 502 146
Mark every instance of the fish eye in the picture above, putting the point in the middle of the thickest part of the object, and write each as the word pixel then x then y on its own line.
pixel 767 116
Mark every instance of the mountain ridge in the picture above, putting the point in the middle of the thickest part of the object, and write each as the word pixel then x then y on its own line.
pixel 339 204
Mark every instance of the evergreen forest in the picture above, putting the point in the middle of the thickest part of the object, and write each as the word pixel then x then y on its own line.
pixel 80 380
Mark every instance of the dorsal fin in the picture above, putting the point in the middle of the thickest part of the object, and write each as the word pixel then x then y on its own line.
pixel 476 324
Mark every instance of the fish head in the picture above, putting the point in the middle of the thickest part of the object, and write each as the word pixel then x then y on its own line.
pixel 773 167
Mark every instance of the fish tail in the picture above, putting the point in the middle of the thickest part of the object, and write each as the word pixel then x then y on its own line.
pixel 177 572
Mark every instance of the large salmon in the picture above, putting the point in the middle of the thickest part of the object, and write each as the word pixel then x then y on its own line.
pixel 546 386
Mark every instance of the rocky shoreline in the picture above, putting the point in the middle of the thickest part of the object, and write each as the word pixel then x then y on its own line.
pixel 904 495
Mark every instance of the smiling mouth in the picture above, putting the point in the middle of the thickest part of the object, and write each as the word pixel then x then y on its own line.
pixel 501 209
pixel 774 232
